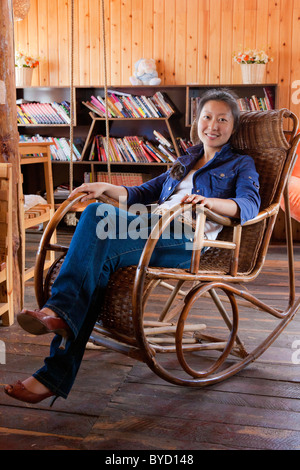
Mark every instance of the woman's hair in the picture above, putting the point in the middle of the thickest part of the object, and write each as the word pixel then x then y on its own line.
pixel 214 94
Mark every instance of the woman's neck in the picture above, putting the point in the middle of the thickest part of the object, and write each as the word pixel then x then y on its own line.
pixel 206 157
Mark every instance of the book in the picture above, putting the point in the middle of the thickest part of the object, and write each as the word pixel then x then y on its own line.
pixel 183 145
pixel 113 107
pixel 131 110
pixel 130 149
pixel 93 108
pixel 269 98
pixel 167 153
pixel 138 106
pixel 161 139
pixel 127 105
pixel 62 112
pixel 118 103
pixel 150 106
pixel 155 152
pixel 165 106
pixel 60 148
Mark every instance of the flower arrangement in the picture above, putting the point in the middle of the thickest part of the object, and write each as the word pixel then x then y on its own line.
pixel 252 56
pixel 23 60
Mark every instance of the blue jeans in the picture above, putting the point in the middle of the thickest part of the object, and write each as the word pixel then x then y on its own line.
pixel 77 292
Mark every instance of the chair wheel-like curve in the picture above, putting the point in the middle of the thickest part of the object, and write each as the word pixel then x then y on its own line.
pixel 46 246
pixel 150 312
pixel 175 333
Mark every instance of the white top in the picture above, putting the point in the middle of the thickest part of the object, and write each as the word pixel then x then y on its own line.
pixel 212 229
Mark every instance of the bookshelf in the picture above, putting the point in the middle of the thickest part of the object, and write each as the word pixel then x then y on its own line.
pixel 88 124
pixel 133 124
pixel 249 97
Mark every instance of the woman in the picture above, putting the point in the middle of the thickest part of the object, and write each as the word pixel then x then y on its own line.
pixel 212 174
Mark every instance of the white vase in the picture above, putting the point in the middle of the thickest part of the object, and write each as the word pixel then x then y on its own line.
pixel 253 73
pixel 23 76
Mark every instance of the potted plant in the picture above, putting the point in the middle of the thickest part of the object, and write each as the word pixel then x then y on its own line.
pixel 253 65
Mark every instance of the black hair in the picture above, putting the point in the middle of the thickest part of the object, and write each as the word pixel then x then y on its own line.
pixel 215 94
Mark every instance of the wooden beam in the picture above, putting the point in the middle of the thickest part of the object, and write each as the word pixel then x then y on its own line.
pixel 9 137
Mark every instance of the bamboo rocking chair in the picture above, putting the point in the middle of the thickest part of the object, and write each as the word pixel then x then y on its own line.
pixel 203 352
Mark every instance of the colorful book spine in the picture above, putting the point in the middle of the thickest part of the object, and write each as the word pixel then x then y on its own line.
pixel 126 105
pixel 149 105
pixel 161 139
pixel 98 102
pixel 42 113
pixel 60 148
pixel 131 149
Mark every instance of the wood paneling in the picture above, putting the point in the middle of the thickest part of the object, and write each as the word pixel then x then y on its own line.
pixel 191 40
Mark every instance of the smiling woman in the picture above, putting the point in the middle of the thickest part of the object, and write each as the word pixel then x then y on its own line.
pixel 218 118
pixel 72 309
pixel 215 126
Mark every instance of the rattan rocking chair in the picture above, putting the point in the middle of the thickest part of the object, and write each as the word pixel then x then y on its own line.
pixel 202 352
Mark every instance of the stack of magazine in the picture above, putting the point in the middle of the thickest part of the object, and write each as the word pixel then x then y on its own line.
pixel 35 113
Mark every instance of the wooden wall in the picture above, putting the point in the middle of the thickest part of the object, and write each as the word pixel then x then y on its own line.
pixel 191 40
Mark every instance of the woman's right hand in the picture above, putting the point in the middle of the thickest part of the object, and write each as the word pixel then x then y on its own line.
pixel 95 190
pixel 92 190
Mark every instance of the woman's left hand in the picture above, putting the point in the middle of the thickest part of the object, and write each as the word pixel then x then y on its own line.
pixel 226 207
pixel 198 199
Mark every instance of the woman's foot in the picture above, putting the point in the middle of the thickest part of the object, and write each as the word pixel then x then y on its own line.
pixel 40 322
pixel 29 391
pixel 49 312
pixel 34 386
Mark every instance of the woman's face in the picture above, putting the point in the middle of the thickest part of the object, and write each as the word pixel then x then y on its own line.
pixel 215 125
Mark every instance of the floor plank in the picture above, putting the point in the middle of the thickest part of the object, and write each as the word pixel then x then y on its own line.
pixel 119 404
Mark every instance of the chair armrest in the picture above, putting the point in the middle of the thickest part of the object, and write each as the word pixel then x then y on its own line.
pixel 108 200
pixel 199 240
pixel 226 221
pixel 264 214
pixel 157 231
pixel 163 223
pixel 220 219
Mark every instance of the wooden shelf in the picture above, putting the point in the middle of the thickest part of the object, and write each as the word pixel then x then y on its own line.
pixel 44 125
pixel 95 118
pixel 179 95
pixel 177 125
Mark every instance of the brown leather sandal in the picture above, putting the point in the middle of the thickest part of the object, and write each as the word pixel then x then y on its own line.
pixel 37 322
pixel 20 392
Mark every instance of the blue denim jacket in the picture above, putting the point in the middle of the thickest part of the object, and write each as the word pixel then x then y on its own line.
pixel 228 176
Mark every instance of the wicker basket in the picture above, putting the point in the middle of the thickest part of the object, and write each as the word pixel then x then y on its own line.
pixel 23 76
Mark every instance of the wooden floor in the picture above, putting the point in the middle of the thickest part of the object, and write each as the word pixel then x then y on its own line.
pixel 119 404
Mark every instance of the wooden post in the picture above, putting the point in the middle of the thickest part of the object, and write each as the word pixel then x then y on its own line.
pixel 9 137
